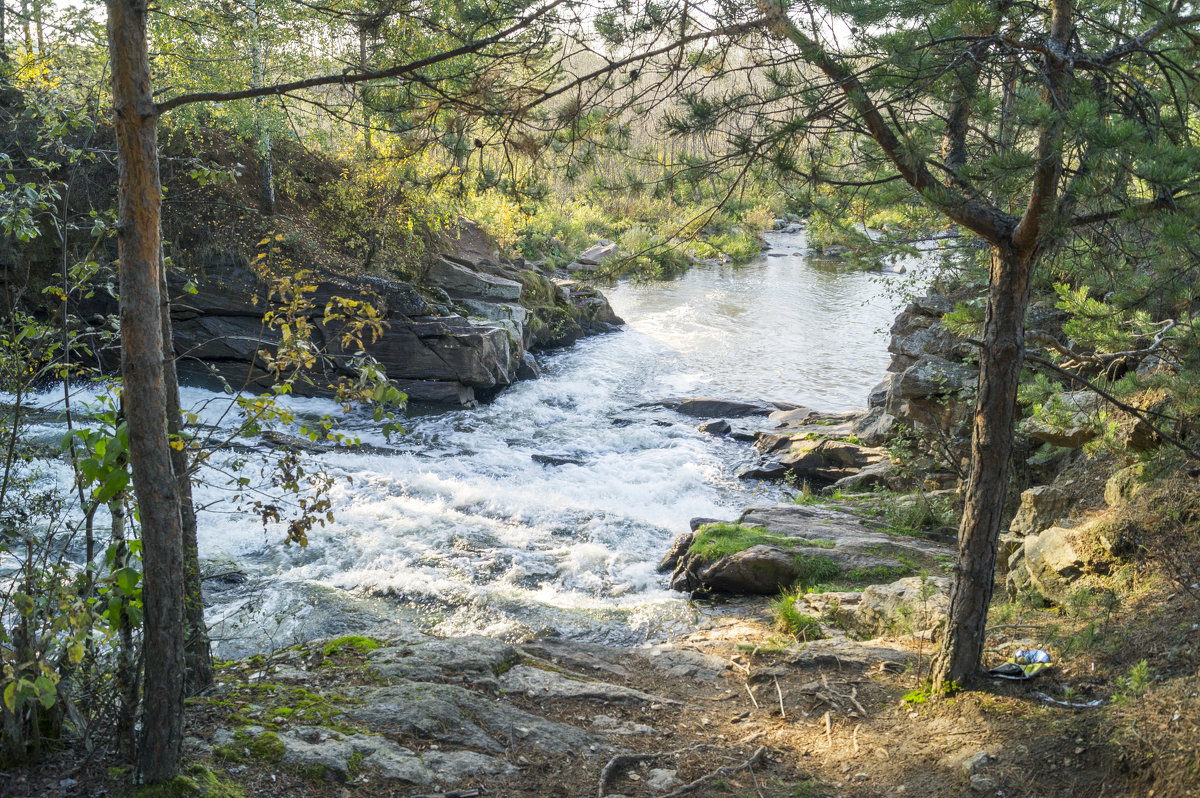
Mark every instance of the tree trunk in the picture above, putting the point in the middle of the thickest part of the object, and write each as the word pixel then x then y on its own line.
pixel 366 112
pixel 197 648
pixel 135 120
pixel 987 485
pixel 258 76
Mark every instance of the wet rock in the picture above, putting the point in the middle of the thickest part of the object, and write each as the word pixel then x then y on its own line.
pixel 704 407
pixel 556 459
pixel 768 470
pixel 719 427
pixel 529 368
pixel 679 548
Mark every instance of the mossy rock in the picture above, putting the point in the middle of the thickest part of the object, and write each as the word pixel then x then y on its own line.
pixel 196 782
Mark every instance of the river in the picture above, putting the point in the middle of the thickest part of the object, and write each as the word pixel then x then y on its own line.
pixel 454 525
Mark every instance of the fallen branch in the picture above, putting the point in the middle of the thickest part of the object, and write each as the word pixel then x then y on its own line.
pixel 752 698
pixel 625 760
pixel 779 693
pixel 719 773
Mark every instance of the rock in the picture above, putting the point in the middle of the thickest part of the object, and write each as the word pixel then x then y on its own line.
pixel 874 428
pixel 610 725
pixel 1123 485
pixel 761 570
pixel 681 663
pixel 1040 508
pixel 845 542
pixel 1054 558
pixel 663 780
pixel 976 762
pixel 470 658
pixel 878 475
pixel 1078 420
pixel 576 266
pixel 719 427
pixel 826 462
pixel 678 549
pixel 790 418
pixel 932 376
pixel 451 714
pixel 529 368
pixel 981 783
pixel 547 685
pixel 768 470
pixel 704 407
pixel 556 459
pixel 597 254
pixel 460 281
pixel 906 606
pixel 878 395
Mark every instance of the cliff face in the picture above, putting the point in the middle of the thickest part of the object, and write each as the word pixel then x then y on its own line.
pixel 462 333
pixel 458 323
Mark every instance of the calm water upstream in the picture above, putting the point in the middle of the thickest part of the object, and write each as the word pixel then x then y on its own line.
pixel 460 528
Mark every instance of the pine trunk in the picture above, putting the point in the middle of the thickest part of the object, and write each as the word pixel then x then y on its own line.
pixel 197 647
pixel 135 120
pixel 987 485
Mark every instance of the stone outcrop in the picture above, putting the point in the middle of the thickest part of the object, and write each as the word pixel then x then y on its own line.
pixel 799 542
pixel 462 335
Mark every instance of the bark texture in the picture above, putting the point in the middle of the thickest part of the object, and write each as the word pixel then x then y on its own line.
pixel 135 119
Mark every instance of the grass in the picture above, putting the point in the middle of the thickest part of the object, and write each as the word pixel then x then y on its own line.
pixel 790 621
pixel 814 569
pixel 714 541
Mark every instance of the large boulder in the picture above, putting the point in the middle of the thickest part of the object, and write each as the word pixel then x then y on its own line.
pixel 1040 508
pixel 907 606
pixel 458 280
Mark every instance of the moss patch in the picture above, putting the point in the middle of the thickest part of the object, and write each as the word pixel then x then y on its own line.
pixel 197 782
pixel 265 747
pixel 714 541
pixel 350 643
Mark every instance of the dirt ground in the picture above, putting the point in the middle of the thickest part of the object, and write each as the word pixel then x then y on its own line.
pixel 816 720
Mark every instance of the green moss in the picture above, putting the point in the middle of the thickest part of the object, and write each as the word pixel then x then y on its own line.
pixel 713 541
pixel 197 782
pixel 265 747
pixel 354 766
pixel 356 643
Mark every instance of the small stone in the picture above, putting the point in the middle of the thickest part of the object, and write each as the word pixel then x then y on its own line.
pixel 663 780
pixel 976 763
pixel 981 783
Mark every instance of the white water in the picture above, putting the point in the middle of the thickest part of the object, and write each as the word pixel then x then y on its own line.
pixel 460 529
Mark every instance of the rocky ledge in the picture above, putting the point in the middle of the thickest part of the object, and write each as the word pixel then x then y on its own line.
pixel 458 335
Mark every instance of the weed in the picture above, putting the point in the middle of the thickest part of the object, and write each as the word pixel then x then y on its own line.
pixel 790 621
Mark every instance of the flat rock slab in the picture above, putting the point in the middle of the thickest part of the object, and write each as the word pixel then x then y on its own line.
pixel 312 747
pixel 451 714
pixel 425 658
pixel 542 684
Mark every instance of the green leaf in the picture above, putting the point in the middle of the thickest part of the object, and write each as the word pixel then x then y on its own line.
pixel 127 580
